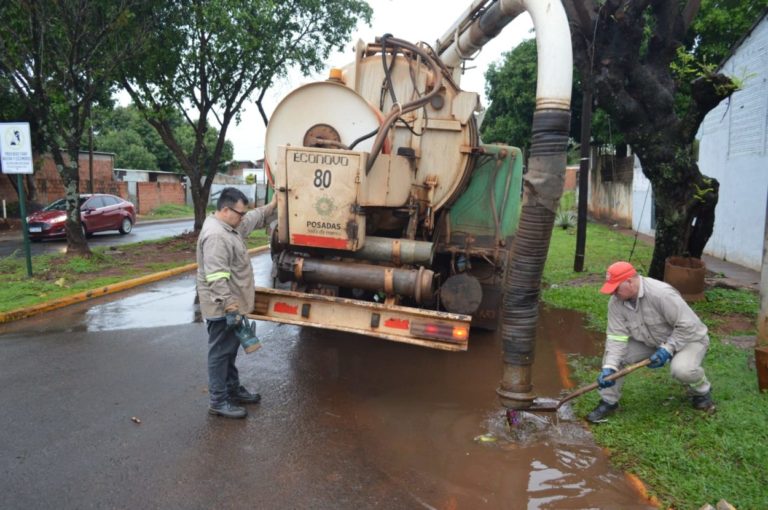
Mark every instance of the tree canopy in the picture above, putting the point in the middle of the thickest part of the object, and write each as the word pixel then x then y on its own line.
pixel 59 59
pixel 209 58
pixel 511 89
pixel 136 144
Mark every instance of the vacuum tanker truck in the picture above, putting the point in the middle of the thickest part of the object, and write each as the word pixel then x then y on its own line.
pixel 394 220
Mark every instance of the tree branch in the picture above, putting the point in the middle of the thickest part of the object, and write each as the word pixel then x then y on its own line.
pixel 707 92
pixel 689 13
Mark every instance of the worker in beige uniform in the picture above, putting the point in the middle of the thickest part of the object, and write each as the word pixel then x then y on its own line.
pixel 226 290
pixel 649 318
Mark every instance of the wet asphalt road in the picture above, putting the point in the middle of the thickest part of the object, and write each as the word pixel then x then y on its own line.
pixel 346 422
pixel 141 232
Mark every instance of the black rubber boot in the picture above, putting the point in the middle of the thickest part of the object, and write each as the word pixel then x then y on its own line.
pixel 243 396
pixel 703 402
pixel 228 410
pixel 601 412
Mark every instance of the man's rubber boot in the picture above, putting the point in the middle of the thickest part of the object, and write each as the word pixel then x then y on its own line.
pixel 703 402
pixel 601 412
pixel 228 410
pixel 243 396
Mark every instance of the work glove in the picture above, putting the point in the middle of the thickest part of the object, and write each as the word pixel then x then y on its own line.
pixel 660 358
pixel 601 382
pixel 233 318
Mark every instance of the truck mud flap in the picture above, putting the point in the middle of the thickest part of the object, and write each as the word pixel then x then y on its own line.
pixel 426 328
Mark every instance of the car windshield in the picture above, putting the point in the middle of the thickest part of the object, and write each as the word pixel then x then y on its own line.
pixel 61 205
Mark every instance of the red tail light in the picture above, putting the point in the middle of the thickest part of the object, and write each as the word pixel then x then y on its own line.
pixel 440 331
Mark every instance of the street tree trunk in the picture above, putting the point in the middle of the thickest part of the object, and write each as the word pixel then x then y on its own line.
pixel 70 176
pixel 626 47
pixel 201 191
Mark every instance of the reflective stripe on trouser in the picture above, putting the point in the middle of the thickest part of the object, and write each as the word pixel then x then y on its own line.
pixel 684 367
pixel 223 377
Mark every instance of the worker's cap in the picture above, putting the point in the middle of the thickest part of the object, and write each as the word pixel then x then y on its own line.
pixel 617 273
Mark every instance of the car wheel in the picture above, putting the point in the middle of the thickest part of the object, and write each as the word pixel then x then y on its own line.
pixel 86 234
pixel 126 226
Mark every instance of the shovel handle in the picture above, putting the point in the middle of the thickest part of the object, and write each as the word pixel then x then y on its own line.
pixel 621 373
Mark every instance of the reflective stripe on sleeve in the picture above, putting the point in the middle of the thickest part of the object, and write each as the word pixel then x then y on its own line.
pixel 216 276
pixel 618 338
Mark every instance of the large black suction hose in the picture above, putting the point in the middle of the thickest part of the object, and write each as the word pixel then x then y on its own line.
pixel 543 187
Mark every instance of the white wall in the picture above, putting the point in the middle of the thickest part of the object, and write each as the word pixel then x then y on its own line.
pixel 642 201
pixel 734 150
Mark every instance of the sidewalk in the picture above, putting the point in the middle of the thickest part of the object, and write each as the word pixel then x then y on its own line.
pixel 719 272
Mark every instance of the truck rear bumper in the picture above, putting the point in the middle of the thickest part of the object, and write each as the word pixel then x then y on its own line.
pixel 427 328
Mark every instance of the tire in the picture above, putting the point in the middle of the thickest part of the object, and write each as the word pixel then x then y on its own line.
pixel 126 226
pixel 86 234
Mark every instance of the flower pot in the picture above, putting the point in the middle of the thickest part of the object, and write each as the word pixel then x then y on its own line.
pixel 686 274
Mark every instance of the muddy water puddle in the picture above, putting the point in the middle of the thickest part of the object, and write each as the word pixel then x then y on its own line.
pixel 431 421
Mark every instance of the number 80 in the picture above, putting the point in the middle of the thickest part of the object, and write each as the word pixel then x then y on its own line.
pixel 322 178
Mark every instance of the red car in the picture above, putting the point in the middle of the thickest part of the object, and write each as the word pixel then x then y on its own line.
pixel 98 212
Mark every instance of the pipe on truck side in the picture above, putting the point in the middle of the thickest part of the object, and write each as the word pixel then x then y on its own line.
pixel 414 283
pixel 543 183
pixel 396 251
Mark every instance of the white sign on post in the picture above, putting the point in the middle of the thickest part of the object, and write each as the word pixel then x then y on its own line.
pixel 15 148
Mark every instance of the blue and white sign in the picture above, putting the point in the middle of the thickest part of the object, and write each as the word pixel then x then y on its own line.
pixel 15 148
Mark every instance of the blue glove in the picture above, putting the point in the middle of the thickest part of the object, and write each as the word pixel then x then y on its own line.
pixel 660 358
pixel 601 382
pixel 233 319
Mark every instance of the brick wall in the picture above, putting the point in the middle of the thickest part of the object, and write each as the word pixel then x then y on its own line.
pixel 150 195
pixel 571 178
pixel 49 186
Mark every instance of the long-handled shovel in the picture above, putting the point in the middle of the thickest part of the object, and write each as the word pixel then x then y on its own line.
pixel 548 408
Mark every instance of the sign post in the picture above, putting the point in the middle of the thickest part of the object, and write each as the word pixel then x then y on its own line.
pixel 16 158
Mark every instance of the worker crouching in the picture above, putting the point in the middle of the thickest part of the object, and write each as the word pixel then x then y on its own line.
pixel 649 318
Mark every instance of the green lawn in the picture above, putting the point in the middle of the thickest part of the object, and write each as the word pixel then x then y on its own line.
pixel 57 276
pixel 168 211
pixel 686 458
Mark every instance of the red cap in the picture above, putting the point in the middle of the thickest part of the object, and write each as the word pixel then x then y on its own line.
pixel 617 273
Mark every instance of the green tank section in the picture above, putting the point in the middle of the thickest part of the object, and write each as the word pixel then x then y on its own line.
pixel 489 209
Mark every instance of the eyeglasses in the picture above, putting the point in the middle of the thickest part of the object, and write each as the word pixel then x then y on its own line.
pixel 239 213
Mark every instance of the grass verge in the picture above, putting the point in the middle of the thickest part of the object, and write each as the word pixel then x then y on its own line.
pixel 686 458
pixel 57 276
pixel 172 211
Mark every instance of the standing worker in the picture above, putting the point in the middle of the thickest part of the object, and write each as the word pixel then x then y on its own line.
pixel 226 289
pixel 647 317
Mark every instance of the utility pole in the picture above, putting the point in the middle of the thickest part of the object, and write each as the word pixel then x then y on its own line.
pixel 586 136
pixel 90 153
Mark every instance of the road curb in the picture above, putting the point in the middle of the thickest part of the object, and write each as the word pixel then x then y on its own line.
pixel 23 313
